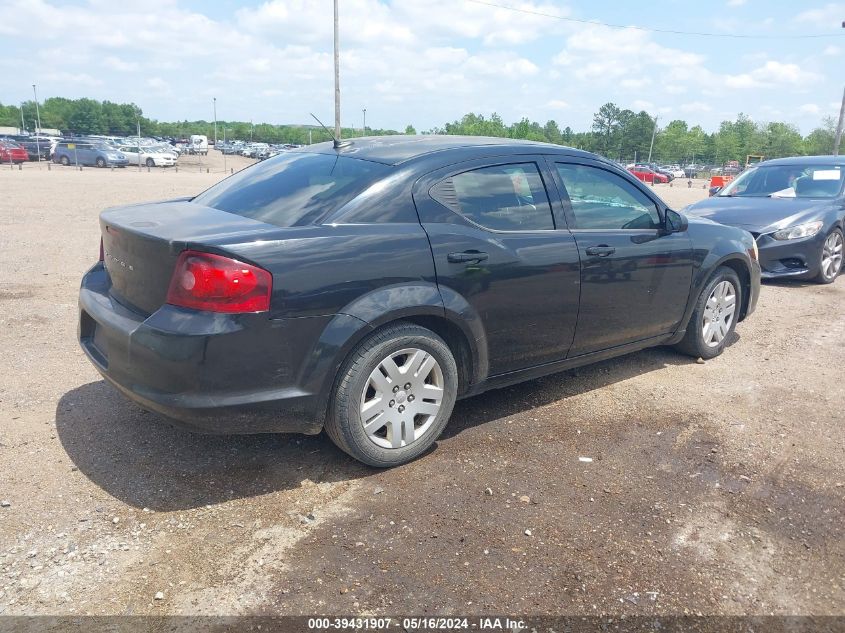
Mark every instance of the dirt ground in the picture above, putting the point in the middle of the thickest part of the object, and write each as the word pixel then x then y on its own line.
pixel 713 488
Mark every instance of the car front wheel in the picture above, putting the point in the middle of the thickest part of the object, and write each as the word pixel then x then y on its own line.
pixel 714 317
pixel 831 257
pixel 394 395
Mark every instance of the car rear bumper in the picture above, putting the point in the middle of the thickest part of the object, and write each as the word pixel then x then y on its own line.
pixel 796 259
pixel 212 373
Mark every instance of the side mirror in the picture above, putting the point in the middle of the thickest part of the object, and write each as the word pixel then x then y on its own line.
pixel 676 222
pixel 714 191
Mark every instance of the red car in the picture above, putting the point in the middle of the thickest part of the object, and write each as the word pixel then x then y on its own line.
pixel 648 175
pixel 11 152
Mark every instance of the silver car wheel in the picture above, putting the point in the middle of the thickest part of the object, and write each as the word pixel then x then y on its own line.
pixel 402 398
pixel 718 314
pixel 832 255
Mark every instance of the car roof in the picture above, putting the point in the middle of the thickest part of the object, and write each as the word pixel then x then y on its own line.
pixel 805 160
pixel 393 150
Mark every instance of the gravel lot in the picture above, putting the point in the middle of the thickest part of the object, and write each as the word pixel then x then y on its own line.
pixel 713 488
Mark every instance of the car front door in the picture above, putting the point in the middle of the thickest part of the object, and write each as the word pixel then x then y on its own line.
pixel 133 154
pixel 635 274
pixel 500 243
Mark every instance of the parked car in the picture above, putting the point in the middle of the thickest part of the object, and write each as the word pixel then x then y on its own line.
pixel 35 146
pixel 794 208
pixel 364 287
pixel 81 152
pixel 646 174
pixel 11 152
pixel 674 170
pixel 150 156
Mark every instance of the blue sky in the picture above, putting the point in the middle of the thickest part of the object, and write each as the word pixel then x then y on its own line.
pixel 428 62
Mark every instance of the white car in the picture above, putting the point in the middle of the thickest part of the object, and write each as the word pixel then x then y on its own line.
pixel 675 170
pixel 149 156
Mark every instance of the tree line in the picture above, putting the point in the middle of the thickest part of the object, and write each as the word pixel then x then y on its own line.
pixel 616 133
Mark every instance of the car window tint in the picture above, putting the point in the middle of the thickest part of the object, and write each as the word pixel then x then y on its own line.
pixel 500 198
pixel 603 200
pixel 293 188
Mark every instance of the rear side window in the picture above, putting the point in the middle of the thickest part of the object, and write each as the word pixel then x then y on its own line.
pixel 603 200
pixel 293 188
pixel 500 198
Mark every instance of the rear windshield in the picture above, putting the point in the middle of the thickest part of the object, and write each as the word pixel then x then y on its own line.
pixel 293 188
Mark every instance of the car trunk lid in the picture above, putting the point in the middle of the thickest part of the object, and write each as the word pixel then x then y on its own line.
pixel 141 244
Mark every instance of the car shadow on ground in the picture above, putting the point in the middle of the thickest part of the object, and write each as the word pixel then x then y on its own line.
pixel 501 403
pixel 139 458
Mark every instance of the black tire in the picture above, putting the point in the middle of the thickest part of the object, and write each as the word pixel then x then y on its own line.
pixel 822 278
pixel 101 162
pixel 693 343
pixel 344 425
pixel 150 162
pixel 64 160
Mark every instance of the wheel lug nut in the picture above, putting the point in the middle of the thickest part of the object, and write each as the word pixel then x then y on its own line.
pixel 407 386
pixel 411 398
pixel 392 402
pixel 396 388
pixel 401 408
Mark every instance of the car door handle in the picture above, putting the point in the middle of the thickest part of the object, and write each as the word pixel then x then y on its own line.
pixel 601 251
pixel 466 257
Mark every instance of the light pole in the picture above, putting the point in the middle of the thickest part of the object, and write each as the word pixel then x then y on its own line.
pixel 38 119
pixel 336 76
pixel 23 125
pixel 653 133
pixel 214 100
pixel 37 112
pixel 365 122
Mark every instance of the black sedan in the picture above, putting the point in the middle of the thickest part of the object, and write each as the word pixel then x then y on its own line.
pixel 794 208
pixel 362 287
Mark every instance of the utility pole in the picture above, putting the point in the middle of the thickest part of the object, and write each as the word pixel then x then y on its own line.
pixel 653 133
pixel 23 125
pixel 214 100
pixel 365 122
pixel 841 117
pixel 336 76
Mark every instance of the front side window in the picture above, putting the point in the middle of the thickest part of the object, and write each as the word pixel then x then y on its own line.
pixel 603 200
pixel 500 198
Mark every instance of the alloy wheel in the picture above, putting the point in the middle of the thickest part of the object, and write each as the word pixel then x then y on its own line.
pixel 402 398
pixel 832 255
pixel 719 313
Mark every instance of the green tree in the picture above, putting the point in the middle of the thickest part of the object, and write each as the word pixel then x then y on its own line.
pixel 410 130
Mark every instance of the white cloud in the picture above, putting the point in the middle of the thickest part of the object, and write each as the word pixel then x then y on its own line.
pixel 557 104
pixel 810 108
pixel 773 74
pixel 832 50
pixel 824 16
pixel 695 106
pixel 736 3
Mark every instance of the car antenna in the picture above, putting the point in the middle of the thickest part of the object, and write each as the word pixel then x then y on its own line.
pixel 337 142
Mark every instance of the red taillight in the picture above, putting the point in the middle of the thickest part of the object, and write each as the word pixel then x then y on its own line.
pixel 205 281
pixel 102 254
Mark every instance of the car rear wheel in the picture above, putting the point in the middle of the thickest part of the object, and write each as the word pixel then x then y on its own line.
pixel 64 160
pixel 831 257
pixel 394 395
pixel 101 162
pixel 150 162
pixel 714 317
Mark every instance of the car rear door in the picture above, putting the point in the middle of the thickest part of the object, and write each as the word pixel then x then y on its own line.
pixel 501 244
pixel 635 275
